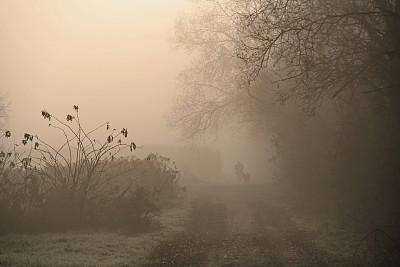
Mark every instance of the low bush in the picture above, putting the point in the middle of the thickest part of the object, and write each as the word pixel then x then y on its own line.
pixel 155 173
pixel 81 183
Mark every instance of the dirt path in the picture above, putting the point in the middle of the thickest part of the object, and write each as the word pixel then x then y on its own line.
pixel 239 225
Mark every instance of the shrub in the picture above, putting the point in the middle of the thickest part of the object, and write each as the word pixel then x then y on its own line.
pixel 80 183
pixel 155 173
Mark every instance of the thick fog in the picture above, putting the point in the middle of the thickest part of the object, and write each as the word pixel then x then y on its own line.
pixel 199 132
pixel 113 59
pixel 110 58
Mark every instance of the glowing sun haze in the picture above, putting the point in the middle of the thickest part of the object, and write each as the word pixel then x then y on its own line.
pixel 111 58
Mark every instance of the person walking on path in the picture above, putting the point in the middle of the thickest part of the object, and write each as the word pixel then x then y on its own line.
pixel 239 170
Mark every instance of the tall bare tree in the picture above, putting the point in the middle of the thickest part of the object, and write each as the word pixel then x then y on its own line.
pixel 307 50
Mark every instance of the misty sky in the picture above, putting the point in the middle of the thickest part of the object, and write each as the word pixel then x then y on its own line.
pixel 112 58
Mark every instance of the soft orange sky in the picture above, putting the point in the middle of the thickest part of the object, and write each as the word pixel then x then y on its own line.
pixel 111 58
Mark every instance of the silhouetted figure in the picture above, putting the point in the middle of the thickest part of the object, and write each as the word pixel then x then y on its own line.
pixel 239 170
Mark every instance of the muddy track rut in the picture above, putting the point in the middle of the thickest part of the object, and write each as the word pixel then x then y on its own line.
pixel 239 225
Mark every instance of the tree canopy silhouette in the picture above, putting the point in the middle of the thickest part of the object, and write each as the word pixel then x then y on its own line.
pixel 308 51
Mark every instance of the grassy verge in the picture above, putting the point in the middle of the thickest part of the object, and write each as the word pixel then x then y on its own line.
pixel 96 248
pixel 337 242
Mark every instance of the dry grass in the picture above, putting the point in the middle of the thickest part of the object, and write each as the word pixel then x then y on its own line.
pixel 326 233
pixel 90 248
pixel 338 242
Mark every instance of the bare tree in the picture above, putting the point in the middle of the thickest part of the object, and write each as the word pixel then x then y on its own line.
pixel 307 50
pixel 252 55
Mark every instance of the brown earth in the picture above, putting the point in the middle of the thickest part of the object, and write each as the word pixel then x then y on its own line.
pixel 240 225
